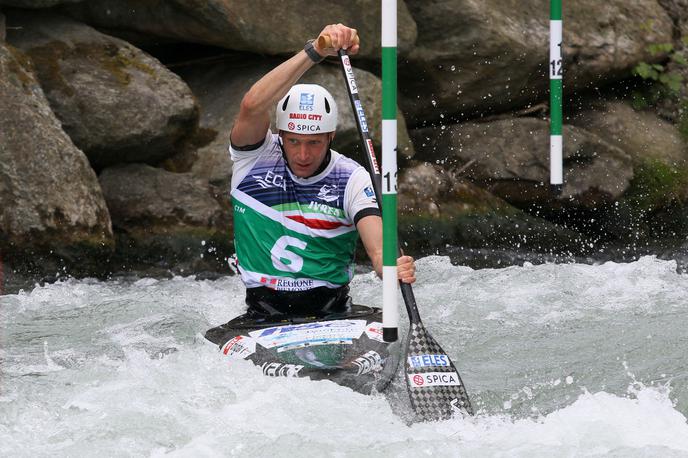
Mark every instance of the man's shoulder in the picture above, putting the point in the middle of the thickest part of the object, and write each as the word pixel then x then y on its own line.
pixel 343 162
pixel 270 145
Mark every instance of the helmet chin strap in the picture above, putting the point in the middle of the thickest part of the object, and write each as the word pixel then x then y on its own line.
pixel 321 167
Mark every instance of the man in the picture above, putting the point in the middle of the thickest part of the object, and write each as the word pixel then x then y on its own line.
pixel 298 205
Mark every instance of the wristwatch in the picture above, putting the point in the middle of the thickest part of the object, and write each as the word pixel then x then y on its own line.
pixel 312 53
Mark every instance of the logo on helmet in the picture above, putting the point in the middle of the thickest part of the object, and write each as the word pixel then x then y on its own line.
pixel 306 101
pixel 307 127
pixel 291 126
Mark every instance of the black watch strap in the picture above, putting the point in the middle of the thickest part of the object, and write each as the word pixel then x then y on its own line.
pixel 312 53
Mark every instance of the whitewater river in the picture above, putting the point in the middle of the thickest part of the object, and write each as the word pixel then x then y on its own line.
pixel 559 359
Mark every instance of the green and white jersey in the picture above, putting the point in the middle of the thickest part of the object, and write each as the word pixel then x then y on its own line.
pixel 291 233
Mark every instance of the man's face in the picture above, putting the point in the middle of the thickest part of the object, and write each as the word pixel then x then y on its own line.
pixel 305 152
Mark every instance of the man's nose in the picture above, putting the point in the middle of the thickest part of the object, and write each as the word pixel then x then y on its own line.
pixel 303 151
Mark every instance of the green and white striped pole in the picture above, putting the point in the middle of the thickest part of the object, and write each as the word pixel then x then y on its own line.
pixel 556 69
pixel 390 308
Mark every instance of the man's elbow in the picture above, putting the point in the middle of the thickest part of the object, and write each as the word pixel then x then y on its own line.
pixel 250 105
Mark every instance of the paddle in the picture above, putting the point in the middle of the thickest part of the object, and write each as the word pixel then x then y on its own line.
pixel 434 384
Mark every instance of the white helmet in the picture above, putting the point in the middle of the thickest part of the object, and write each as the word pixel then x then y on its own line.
pixel 307 109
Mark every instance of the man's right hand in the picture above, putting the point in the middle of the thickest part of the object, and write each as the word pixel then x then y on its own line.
pixel 341 37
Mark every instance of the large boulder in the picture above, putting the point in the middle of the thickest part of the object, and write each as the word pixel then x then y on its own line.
pixel 477 56
pixel 641 134
pixel 510 158
pixel 174 220
pixel 51 199
pixel 117 103
pixel 220 87
pixel 438 208
pixel 260 26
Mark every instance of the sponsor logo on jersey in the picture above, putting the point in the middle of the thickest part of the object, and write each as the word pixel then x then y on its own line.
pixel 433 379
pixel 369 362
pixel 328 193
pixel 306 101
pixel 281 369
pixel 270 180
pixel 325 209
pixel 428 361
pixel 287 284
pixel 368 191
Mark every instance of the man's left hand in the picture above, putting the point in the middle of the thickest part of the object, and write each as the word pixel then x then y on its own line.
pixel 406 269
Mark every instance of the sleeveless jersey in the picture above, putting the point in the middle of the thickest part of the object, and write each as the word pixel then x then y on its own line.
pixel 291 233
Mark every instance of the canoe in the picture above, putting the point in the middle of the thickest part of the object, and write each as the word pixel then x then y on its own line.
pixel 346 348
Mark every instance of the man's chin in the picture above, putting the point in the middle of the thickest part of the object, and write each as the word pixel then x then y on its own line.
pixel 302 173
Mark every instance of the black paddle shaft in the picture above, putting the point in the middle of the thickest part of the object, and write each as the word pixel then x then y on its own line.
pixel 372 167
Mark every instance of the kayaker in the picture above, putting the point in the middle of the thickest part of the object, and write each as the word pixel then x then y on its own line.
pixel 299 206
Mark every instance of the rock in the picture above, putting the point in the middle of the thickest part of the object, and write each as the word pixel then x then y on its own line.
pixel 220 88
pixel 51 199
pixel 641 134
pixel 35 3
pixel 510 158
pixel 259 26
pixel 117 103
pixel 476 56
pixel 678 11
pixel 438 208
pixel 168 219
pixel 659 187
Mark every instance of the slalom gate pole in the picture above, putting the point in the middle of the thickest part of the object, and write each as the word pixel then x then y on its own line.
pixel 435 387
pixel 390 307
pixel 556 70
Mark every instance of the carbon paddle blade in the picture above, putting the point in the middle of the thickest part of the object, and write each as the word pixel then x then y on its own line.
pixel 434 385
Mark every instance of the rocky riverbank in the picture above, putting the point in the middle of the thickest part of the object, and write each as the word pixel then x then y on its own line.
pixel 115 118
